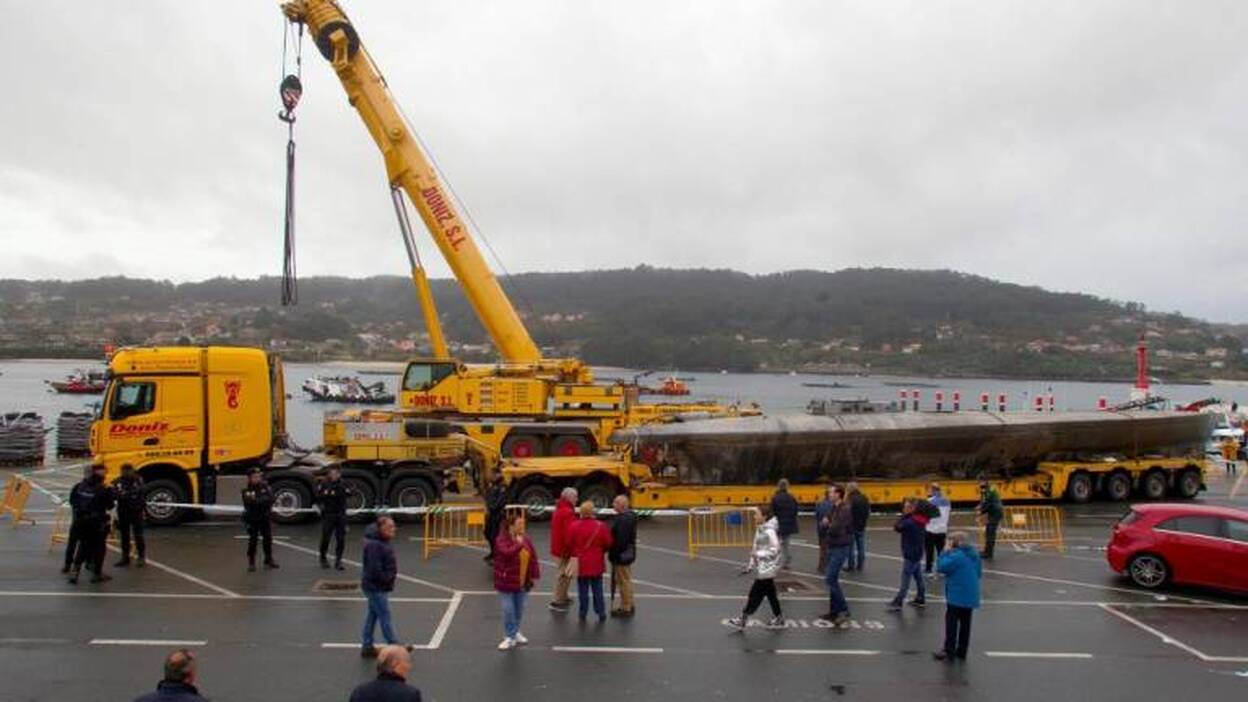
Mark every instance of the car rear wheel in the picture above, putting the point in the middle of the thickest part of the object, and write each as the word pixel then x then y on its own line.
pixel 1148 571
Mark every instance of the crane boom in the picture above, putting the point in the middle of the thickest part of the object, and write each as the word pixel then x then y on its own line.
pixel 408 167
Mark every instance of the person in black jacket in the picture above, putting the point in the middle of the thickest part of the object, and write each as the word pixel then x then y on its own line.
pixel 331 495
pixel 380 571
pixel 784 507
pixel 91 500
pixel 622 554
pixel 839 526
pixel 860 507
pixel 257 510
pixel 178 684
pixel 73 540
pixel 393 665
pixel 913 536
pixel 130 512
pixel 495 507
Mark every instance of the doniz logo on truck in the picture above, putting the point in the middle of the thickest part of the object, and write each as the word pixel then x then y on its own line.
pixel 233 388
pixel 431 401
pixel 147 428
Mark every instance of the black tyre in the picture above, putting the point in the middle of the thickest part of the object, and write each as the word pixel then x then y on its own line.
pixel 1079 489
pixel 1118 487
pixel 522 446
pixel 569 446
pixel 537 497
pixel 1153 485
pixel 290 495
pixel 364 496
pixel 600 493
pixel 1188 485
pixel 411 492
pixel 1148 571
pixel 163 492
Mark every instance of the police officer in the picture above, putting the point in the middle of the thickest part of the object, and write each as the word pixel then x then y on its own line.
pixel 331 495
pixel 91 500
pixel 73 541
pixel 130 508
pixel 257 508
pixel 496 508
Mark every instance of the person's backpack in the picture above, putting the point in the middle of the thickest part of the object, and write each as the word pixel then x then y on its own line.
pixel 927 509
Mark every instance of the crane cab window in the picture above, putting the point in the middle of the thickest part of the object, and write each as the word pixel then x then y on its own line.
pixel 132 399
pixel 422 376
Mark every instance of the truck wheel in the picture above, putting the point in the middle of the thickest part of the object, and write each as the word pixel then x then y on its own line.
pixel 365 497
pixel 1188 484
pixel 1154 485
pixel 411 492
pixel 569 446
pixel 1118 486
pixel 163 491
pixel 536 497
pixel 599 493
pixel 1148 571
pixel 1079 489
pixel 522 446
pixel 288 496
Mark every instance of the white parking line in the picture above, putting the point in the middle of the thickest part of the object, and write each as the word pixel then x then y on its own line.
pixel 185 576
pixel 739 563
pixel 445 624
pixel 826 652
pixel 1037 654
pixel 146 642
pixel 604 649
pixel 202 596
pixel 1168 639
pixel 401 576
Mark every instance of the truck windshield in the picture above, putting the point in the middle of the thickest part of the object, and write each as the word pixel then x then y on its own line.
pixel 422 376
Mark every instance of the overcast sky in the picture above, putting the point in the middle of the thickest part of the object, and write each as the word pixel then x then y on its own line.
pixel 1084 146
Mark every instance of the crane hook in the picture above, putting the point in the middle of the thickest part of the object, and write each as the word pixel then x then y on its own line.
pixel 291 90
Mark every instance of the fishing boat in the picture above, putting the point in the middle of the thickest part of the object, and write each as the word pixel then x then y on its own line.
pixel 346 389
pixel 80 382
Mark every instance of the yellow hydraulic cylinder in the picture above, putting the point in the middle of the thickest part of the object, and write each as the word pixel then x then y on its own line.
pixel 409 167
pixel 425 297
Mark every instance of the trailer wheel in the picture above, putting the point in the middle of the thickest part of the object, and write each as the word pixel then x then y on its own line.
pixel 411 492
pixel 365 496
pixel 600 492
pixel 1188 484
pixel 288 496
pixel 1118 486
pixel 522 446
pixel 536 497
pixel 1079 489
pixel 163 491
pixel 1154 485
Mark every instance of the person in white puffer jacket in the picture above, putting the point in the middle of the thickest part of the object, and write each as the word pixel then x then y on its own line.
pixel 765 564
pixel 937 527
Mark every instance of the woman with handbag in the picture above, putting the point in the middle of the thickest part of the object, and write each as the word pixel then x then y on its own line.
pixel 590 540
pixel 515 571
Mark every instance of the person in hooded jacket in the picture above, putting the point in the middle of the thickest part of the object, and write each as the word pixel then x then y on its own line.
pixel 912 537
pixel 561 549
pixel 765 562
pixel 91 500
pixel 622 555
pixel 130 512
pixel 495 506
pixel 784 508
pixel 590 539
pixel 962 568
pixel 515 571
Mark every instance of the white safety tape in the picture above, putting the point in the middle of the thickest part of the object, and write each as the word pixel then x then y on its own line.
pixel 432 509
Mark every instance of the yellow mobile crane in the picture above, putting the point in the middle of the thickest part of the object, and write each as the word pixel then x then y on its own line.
pixel 525 406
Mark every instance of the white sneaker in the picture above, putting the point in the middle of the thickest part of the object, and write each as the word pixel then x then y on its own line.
pixel 521 638
pixel 507 644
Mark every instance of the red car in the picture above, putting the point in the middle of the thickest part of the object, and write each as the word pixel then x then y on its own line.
pixel 1203 545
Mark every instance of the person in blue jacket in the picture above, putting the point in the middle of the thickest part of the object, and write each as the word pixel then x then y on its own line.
pixel 962 569
pixel 912 540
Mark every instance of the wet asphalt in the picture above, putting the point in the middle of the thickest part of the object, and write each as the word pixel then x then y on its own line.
pixel 1053 626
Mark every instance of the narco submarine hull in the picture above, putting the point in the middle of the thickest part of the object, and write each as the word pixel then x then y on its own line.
pixel 905 445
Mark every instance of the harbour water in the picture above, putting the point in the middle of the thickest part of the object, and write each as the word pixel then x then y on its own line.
pixel 22 388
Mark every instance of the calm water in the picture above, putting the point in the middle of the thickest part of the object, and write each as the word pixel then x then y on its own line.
pixel 22 388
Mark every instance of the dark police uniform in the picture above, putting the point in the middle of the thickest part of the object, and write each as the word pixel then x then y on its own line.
pixel 91 500
pixel 257 506
pixel 332 496
pixel 130 508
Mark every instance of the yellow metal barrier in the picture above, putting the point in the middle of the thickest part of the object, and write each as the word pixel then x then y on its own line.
pixel 1038 525
pixel 60 527
pixel 16 492
pixel 453 526
pixel 721 527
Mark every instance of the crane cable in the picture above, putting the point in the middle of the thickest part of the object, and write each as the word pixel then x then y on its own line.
pixel 290 90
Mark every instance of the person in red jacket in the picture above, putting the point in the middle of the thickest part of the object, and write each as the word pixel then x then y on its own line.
pixel 515 571
pixel 590 540
pixel 565 515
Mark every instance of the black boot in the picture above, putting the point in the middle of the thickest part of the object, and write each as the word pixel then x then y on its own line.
pixel 324 562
